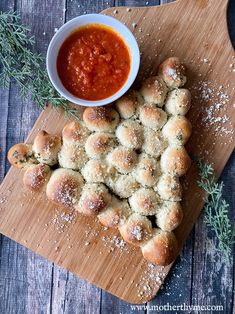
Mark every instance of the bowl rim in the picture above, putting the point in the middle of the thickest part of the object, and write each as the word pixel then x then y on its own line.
pixel 86 19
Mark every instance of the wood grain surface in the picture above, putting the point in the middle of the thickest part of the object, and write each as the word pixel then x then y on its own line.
pixel 58 295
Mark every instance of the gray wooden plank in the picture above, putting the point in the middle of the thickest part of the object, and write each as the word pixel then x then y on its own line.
pixel 136 3
pixel 27 277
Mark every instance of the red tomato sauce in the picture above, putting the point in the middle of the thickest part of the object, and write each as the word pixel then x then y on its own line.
pixel 93 63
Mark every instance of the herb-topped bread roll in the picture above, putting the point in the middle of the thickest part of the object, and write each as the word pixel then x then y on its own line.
pixel 72 157
pixel 130 134
pixel 154 143
pixel 169 216
pixel 124 185
pixel 95 197
pixel 115 214
pixel 145 201
pixel 152 117
pixel 136 230
pixel 75 133
pixel 99 144
pixel 154 90
pixel 21 156
pixel 95 171
pixel 169 187
pixel 103 119
pixel 128 104
pixel 46 148
pixel 36 177
pixel 147 170
pixel 123 159
pixel 178 102
pixel 64 187
pixel 177 130
pixel 161 249
pixel 172 71
pixel 175 160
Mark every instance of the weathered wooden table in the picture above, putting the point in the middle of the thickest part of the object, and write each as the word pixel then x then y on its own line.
pixel 29 283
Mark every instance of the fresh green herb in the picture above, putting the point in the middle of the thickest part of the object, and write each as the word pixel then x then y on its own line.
pixel 216 208
pixel 18 62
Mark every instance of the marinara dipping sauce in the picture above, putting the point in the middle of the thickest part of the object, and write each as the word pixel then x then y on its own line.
pixel 93 62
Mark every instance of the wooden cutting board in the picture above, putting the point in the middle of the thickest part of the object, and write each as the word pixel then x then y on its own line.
pixel 196 31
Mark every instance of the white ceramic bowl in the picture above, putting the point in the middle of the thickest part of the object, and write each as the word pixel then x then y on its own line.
pixel 65 31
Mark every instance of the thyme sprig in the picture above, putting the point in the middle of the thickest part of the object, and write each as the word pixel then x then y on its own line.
pixel 20 63
pixel 216 208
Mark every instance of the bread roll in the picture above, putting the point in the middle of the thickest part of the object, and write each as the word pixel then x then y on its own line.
pixel 161 249
pixel 115 214
pixel 102 119
pixel 75 132
pixel 170 216
pixel 130 134
pixel 177 130
pixel 147 170
pixel 72 156
pixel 178 101
pixel 145 202
pixel 169 187
pixel 95 171
pixel 125 185
pixel 46 148
pixel 154 143
pixel 175 160
pixel 95 198
pixel 21 156
pixel 172 72
pixel 136 230
pixel 36 177
pixel 152 117
pixel 154 90
pixel 123 159
pixel 99 144
pixel 64 187
pixel 128 104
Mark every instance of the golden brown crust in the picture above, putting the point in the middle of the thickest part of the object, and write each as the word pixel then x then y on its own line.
pixel 75 133
pixel 130 134
pixel 21 156
pixel 175 160
pixel 36 177
pixel 136 230
pixel 103 119
pixel 128 104
pixel 177 130
pixel 154 90
pixel 95 198
pixel 64 187
pixel 152 117
pixel 98 144
pixel 115 214
pixel 123 159
pixel 172 71
pixel 162 249
pixel 46 148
